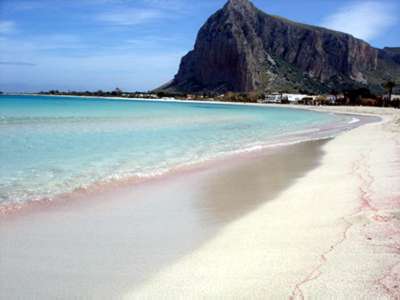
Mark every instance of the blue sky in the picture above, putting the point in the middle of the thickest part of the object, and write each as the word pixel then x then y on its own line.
pixel 137 44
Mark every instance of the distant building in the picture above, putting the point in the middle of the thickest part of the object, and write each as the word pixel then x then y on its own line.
pixel 296 98
pixel 395 97
pixel 273 98
pixel 331 99
pixel 285 97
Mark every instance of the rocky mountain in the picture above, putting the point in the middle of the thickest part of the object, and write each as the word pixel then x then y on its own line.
pixel 242 49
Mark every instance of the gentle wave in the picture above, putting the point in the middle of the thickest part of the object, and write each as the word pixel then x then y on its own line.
pixel 115 180
pixel 50 148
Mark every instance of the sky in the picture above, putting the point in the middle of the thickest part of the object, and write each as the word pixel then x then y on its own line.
pixel 136 45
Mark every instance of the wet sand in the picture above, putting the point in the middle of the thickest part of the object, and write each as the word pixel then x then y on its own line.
pixel 333 234
pixel 105 245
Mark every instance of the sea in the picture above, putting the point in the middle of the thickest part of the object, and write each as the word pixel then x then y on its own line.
pixel 52 146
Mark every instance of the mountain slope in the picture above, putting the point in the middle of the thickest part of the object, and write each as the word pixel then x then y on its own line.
pixel 242 49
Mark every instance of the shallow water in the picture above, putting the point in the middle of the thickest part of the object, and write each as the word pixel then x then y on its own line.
pixel 55 145
pixel 106 245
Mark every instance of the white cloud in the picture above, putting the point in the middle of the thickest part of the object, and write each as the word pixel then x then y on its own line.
pixel 7 27
pixel 130 17
pixel 365 20
pixel 134 12
pixel 153 42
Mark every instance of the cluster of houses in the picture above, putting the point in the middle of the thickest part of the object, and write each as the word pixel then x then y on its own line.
pixel 140 95
pixel 319 100
pixel 303 99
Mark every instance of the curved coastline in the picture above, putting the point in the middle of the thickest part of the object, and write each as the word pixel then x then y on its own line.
pixel 324 132
pixel 126 235
pixel 332 234
pixel 336 215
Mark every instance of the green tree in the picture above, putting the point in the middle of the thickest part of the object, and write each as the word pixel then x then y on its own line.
pixel 389 87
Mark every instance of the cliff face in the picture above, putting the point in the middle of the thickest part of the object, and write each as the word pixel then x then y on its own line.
pixel 241 48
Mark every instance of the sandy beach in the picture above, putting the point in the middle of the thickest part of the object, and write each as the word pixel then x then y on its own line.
pixel 314 220
pixel 333 234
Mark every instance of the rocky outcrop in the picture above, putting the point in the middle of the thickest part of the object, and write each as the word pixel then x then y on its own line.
pixel 241 49
pixel 393 53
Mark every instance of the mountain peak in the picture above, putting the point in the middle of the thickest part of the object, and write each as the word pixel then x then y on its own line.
pixel 238 2
pixel 241 49
pixel 239 5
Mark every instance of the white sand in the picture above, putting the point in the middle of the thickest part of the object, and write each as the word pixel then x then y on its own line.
pixel 102 245
pixel 332 234
pixel 335 234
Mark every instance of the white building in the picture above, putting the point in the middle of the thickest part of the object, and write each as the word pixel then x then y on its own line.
pixel 394 97
pixel 292 98
pixel 273 98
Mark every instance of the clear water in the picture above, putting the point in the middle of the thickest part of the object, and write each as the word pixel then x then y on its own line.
pixel 55 145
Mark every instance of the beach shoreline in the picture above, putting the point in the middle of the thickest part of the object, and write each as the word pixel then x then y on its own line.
pixel 331 232
pixel 188 209
pixel 338 239
pixel 338 110
pixel 313 133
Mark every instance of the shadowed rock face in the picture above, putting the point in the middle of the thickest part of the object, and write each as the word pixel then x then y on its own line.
pixel 241 49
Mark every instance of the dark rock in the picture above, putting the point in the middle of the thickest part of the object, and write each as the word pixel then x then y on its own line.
pixel 242 49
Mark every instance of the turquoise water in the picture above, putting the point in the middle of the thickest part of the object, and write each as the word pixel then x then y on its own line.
pixel 55 145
